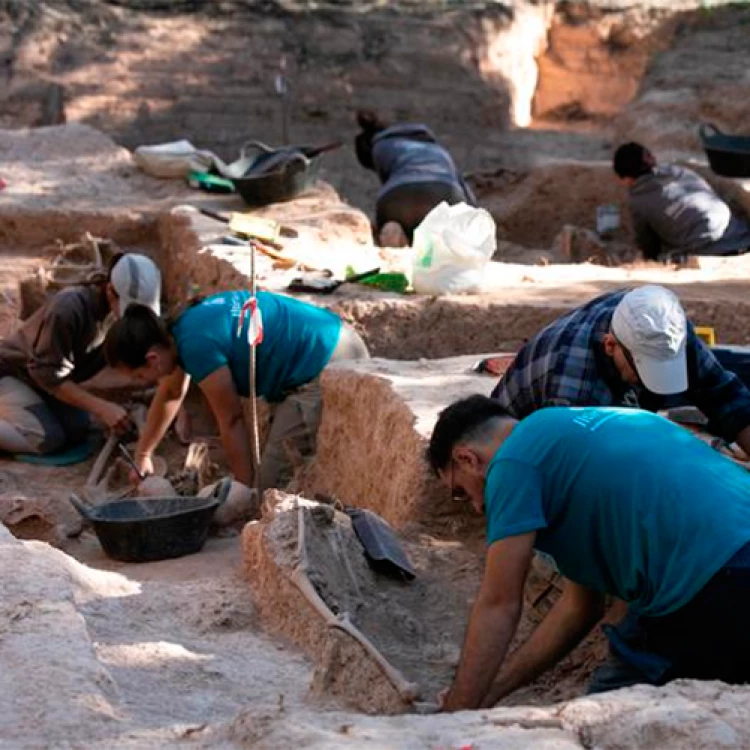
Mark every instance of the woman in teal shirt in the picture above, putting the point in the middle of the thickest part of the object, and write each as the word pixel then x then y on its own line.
pixel 209 342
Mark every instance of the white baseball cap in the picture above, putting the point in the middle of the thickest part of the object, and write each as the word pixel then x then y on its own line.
pixel 651 324
pixel 137 280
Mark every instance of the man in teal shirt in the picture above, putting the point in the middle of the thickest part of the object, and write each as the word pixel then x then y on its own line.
pixel 590 487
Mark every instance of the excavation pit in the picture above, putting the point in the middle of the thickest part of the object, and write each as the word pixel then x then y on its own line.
pixel 209 647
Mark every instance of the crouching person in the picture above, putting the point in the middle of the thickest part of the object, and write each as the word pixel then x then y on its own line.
pixel 416 174
pixel 209 343
pixel 675 212
pixel 591 487
pixel 44 404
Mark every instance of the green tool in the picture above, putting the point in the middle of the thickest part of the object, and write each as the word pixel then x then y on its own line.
pixel 211 183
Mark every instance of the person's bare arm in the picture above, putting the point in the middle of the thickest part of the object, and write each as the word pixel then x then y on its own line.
pixel 111 414
pixel 565 626
pixel 52 365
pixel 493 621
pixel 166 403
pixel 227 408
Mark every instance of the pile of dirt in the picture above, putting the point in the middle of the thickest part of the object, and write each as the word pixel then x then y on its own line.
pixel 702 77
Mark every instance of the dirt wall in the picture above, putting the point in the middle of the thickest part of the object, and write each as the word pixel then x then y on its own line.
pixel 377 418
pixel 701 78
pixel 595 59
pixel 151 77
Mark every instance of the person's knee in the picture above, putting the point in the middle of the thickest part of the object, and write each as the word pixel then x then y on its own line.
pixel 26 422
pixel 392 234
pixel 12 440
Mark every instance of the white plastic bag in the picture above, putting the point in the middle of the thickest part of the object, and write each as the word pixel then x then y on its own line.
pixel 175 159
pixel 453 245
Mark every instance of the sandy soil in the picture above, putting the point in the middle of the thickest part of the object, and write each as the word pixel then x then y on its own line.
pixel 181 647
pixel 184 647
pixel 14 265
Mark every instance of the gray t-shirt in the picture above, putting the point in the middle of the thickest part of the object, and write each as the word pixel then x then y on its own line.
pixel 675 211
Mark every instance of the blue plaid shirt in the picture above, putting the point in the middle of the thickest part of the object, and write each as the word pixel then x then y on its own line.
pixel 565 365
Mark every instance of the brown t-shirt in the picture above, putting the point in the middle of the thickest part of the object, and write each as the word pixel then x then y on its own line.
pixel 60 341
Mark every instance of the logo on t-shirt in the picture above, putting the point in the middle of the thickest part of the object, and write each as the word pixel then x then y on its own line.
pixel 592 419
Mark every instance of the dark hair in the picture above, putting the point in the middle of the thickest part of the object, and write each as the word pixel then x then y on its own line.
pixel 633 160
pixel 130 338
pixel 457 422
pixel 101 276
pixel 370 125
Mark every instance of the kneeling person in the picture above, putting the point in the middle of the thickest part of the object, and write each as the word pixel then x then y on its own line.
pixel 48 364
pixel 209 343
pixel 591 488
pixel 675 212
pixel 630 348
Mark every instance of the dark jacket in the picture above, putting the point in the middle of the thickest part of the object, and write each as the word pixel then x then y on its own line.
pixel 676 212
pixel 406 154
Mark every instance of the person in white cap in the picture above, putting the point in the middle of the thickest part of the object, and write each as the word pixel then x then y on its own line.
pixel 43 406
pixel 626 348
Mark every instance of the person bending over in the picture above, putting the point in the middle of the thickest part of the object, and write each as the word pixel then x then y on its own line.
pixel 591 487
pixel 43 406
pixel 416 174
pixel 629 348
pixel 209 342
pixel 675 212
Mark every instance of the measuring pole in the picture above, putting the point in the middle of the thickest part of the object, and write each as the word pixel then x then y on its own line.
pixel 281 84
pixel 254 432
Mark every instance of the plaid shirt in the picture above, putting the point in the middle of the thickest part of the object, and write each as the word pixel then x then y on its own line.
pixel 565 365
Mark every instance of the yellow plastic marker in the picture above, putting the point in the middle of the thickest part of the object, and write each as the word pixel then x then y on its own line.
pixel 707 333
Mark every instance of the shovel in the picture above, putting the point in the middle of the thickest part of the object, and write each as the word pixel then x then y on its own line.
pixel 383 549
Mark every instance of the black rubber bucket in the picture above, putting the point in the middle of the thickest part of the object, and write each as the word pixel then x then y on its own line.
pixel 728 155
pixel 149 529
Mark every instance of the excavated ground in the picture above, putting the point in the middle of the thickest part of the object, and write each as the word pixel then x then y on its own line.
pixel 165 652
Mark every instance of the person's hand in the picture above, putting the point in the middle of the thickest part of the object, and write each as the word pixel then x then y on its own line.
pixel 114 416
pixel 145 464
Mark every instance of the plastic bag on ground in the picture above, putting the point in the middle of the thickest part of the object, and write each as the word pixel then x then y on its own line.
pixel 453 245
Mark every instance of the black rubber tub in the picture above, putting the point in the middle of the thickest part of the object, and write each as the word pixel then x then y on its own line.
pixel 279 186
pixel 154 528
pixel 728 155
pixel 278 175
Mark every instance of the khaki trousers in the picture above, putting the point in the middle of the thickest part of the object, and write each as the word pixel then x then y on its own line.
pixel 292 439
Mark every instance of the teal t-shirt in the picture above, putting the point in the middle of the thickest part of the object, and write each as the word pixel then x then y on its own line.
pixel 626 502
pixel 298 341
